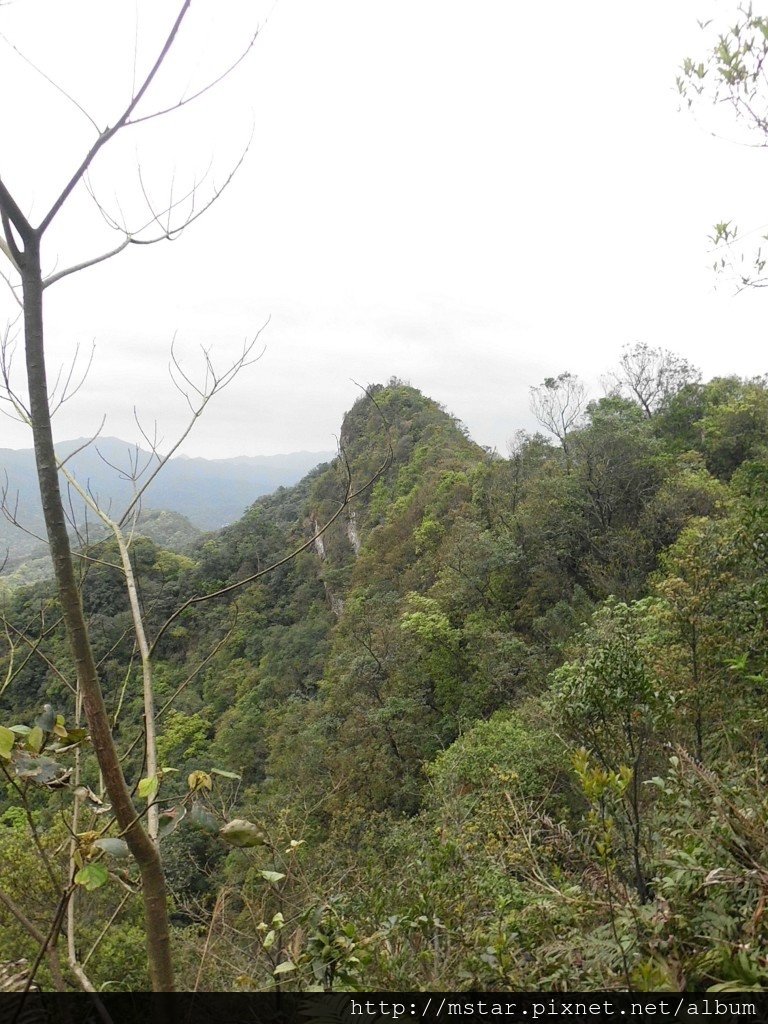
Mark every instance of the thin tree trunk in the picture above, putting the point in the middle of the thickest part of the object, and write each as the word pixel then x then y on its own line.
pixel 150 729
pixel 139 843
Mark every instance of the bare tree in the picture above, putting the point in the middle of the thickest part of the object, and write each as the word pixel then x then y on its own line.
pixel 651 376
pixel 558 404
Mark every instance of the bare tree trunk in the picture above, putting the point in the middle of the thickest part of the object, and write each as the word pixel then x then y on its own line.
pixel 139 843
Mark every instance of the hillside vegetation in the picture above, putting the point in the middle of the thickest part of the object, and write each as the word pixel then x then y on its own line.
pixel 503 725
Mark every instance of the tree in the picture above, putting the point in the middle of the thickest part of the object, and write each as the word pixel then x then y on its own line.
pixel 699 618
pixel 652 376
pixel 558 404
pixel 23 245
pixel 607 698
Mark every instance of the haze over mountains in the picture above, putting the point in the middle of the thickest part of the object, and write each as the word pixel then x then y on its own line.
pixel 209 492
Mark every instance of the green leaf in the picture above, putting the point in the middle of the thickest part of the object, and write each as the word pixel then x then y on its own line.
pixel 269 939
pixel 148 787
pixel 225 775
pixel 272 876
pixel 117 848
pixel 35 740
pixel 241 833
pixel 92 876
pixel 7 739
pixel 285 967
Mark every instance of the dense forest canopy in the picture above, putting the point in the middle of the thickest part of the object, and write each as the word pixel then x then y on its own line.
pixel 502 725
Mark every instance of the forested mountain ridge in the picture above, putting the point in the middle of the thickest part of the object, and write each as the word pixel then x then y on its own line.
pixel 502 725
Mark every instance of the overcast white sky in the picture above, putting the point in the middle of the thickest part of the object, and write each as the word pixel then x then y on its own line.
pixel 469 194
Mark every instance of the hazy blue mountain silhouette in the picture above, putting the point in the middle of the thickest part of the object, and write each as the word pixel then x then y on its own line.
pixel 209 492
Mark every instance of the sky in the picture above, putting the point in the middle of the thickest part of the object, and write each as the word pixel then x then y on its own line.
pixel 470 196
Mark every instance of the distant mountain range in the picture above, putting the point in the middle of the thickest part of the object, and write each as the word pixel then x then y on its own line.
pixel 209 492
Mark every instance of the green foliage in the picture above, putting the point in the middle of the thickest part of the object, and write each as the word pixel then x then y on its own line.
pixel 184 739
pixel 607 695
pixel 434 751
pixel 120 965
pixel 515 750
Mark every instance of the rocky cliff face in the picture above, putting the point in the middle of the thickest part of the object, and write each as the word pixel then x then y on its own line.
pixel 352 535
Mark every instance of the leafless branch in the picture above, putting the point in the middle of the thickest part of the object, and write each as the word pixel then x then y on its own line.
pixel 167 232
pixel 11 512
pixel 106 928
pixel 11 286
pixel 184 101
pixel 69 390
pixel 35 649
pixel 121 122
pixel 216 383
pixel 85 444
pixel 49 80
pixel 53 278
pixel 173 232
pixel 7 348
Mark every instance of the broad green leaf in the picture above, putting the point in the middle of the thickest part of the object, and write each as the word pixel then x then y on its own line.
pixel 269 939
pixel 21 730
pixel 92 876
pixel 116 848
pixel 285 967
pixel 35 740
pixel 7 739
pixel 241 833
pixel 272 876
pixel 225 775
pixel 148 787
